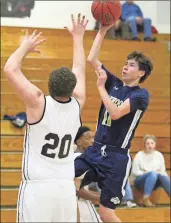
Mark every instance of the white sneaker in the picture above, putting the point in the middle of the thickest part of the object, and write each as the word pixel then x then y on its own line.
pixel 130 204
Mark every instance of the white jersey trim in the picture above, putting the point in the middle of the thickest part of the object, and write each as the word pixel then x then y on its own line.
pixel 128 167
pixel 79 110
pixel 34 123
pixel 133 124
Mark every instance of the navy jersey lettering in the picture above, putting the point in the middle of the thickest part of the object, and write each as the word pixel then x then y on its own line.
pixel 120 132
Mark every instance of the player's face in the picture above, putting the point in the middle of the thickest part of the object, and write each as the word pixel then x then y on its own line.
pixel 86 140
pixel 150 145
pixel 131 72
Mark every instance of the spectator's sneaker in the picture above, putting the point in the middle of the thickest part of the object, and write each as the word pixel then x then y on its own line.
pixel 130 204
pixel 150 39
pixel 147 202
pixel 135 39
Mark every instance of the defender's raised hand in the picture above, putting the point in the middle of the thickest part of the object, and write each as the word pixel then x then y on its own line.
pixel 79 26
pixel 32 41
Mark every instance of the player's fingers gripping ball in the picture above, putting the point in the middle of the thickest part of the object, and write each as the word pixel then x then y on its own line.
pixel 106 12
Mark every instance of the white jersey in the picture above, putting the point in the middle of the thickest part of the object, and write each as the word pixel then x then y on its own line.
pixel 48 150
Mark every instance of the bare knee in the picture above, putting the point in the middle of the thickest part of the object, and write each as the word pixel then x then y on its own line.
pixel 108 215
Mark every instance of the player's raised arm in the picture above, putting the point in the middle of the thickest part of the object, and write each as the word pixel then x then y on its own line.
pixel 79 60
pixel 27 92
pixel 94 52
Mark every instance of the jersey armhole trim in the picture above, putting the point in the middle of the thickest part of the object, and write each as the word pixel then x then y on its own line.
pixel 79 109
pixel 34 123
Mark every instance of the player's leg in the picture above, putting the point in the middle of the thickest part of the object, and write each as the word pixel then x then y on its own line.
pixel 108 215
pixel 88 212
pixel 81 166
pixel 64 203
pixel 34 203
pixel 113 186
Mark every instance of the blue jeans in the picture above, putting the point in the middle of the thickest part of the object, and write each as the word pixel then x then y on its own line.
pixel 133 25
pixel 128 193
pixel 151 181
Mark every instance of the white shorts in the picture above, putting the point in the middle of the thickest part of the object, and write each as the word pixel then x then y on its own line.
pixel 47 201
pixel 88 211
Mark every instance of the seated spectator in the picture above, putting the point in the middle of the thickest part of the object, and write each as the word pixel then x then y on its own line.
pixel 148 171
pixel 120 28
pixel 132 14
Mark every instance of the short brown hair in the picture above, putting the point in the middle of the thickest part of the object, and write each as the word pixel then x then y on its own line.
pixel 61 82
pixel 148 136
pixel 144 63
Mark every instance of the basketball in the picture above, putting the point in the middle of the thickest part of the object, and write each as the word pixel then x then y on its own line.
pixel 106 12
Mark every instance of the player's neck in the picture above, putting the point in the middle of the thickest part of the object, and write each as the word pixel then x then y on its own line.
pixel 131 84
pixel 62 99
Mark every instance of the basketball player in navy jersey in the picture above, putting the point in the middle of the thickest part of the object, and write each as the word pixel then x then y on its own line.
pixel 123 105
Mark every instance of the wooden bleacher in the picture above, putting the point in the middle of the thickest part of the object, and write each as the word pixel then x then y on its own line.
pixel 56 52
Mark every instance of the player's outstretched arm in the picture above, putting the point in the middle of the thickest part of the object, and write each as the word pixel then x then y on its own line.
pixel 26 91
pixel 95 49
pixel 79 60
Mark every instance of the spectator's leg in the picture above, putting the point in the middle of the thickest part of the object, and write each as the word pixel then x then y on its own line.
pixel 125 32
pixel 148 182
pixel 165 182
pixel 128 198
pixel 147 30
pixel 133 26
pixel 111 33
pixel 128 193
pixel 147 27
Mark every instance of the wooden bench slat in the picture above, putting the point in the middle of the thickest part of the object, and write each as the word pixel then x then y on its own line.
pixel 135 215
pixel 90 87
pixel 9 197
pixel 12 178
pixel 15 143
pixel 14 160
pixel 157 103
pixel 159 130
pixel 90 115
pixel 33 72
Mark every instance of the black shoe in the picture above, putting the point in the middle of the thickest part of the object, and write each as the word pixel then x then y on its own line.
pixel 135 39
pixel 150 39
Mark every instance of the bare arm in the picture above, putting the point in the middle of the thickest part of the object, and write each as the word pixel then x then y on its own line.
pixel 88 195
pixel 79 61
pixel 94 52
pixel 27 92
pixel 114 111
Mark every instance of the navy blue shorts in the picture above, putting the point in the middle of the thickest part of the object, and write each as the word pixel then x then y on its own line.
pixel 110 167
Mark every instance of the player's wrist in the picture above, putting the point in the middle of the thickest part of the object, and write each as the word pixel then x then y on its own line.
pixel 101 87
pixel 24 48
pixel 102 31
pixel 78 37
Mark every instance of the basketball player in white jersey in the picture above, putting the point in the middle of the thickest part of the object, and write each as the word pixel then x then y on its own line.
pixel 47 190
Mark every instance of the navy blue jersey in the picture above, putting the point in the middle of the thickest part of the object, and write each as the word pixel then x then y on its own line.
pixel 120 132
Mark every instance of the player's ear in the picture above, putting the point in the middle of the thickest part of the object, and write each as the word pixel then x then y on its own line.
pixel 78 142
pixel 141 73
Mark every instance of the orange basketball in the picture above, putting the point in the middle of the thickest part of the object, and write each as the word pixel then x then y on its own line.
pixel 106 12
